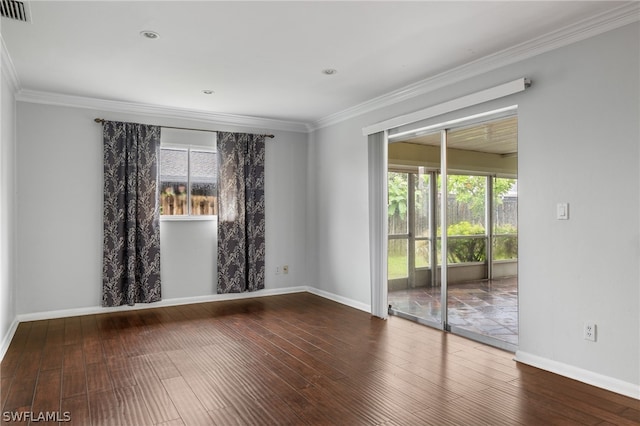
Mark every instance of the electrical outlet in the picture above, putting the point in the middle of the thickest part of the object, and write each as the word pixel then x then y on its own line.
pixel 277 270
pixel 590 331
pixel 285 269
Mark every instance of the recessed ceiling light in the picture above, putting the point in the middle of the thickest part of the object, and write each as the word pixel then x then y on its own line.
pixel 208 92
pixel 329 71
pixel 150 34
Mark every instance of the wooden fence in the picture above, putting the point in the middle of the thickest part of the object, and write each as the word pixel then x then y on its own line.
pixel 176 205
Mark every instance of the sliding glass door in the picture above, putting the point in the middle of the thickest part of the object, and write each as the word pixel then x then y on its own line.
pixel 472 290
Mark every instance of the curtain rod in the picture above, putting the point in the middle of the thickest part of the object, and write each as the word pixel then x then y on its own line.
pixel 102 120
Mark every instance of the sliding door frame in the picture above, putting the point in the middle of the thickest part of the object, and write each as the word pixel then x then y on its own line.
pixel 410 235
pixel 378 140
pixel 444 248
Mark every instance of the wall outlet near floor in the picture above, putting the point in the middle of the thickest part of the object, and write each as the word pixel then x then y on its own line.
pixel 285 269
pixel 590 331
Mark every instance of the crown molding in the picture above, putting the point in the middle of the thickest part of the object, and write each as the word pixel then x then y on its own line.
pixel 582 30
pixel 58 99
pixel 8 69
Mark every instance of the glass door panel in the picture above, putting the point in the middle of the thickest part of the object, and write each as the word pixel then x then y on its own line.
pixel 413 285
pixel 482 232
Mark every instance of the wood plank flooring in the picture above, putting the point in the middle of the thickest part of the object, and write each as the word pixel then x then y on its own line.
pixel 282 360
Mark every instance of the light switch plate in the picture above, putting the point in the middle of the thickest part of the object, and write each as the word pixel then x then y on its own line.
pixel 563 211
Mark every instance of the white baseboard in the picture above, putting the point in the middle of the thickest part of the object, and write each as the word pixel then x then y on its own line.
pixel 6 339
pixel 91 310
pixel 343 300
pixel 599 380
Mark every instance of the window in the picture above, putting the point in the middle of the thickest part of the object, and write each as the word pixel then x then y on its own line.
pixel 505 224
pixel 188 181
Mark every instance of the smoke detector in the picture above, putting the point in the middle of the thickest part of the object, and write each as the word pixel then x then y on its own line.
pixel 16 10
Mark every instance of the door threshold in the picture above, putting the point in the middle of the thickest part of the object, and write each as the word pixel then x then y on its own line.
pixel 419 320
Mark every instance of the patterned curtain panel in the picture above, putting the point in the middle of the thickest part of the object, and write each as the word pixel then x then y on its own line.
pixel 241 220
pixel 131 245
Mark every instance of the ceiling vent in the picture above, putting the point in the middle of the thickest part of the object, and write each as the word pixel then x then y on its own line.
pixel 13 9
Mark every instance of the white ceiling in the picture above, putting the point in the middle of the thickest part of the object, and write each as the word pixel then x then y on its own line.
pixel 495 136
pixel 264 59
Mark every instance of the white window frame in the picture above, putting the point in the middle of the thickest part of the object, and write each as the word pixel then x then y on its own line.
pixel 188 217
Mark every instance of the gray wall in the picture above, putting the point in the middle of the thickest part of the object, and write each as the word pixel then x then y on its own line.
pixel 578 143
pixel 7 212
pixel 59 167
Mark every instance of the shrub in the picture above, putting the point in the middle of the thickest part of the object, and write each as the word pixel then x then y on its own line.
pixel 462 250
pixel 505 243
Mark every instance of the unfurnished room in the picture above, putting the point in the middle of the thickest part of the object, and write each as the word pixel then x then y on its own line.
pixel 319 212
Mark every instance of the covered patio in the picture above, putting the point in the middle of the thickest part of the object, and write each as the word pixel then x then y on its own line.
pixel 485 307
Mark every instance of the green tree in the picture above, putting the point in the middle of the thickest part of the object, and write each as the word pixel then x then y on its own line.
pixel 471 190
pixel 397 193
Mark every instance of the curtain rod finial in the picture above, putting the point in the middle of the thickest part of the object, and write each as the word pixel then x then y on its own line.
pixel 98 120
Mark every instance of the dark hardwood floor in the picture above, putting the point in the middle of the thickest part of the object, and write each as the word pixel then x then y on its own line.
pixel 291 359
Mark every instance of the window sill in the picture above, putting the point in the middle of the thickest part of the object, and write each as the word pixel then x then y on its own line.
pixel 187 218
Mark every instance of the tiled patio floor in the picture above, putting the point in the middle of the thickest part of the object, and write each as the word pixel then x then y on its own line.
pixel 488 307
